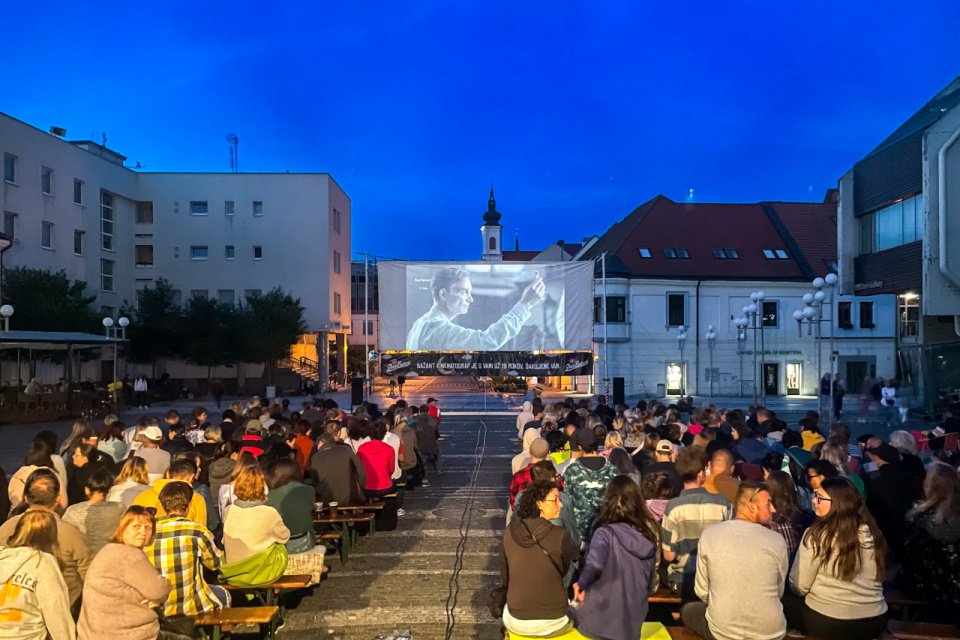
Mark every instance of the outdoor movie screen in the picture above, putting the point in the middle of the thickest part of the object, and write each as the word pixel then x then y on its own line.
pixel 483 306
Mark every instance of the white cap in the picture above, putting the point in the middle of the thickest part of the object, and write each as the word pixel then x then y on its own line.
pixel 153 433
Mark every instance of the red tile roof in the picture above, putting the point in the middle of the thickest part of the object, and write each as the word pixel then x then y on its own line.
pixel 813 227
pixel 519 256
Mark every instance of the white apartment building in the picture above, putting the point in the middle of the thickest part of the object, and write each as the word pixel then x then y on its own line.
pixel 75 206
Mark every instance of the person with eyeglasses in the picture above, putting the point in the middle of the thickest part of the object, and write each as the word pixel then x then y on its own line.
pixel 534 558
pixel 836 581
pixel 737 554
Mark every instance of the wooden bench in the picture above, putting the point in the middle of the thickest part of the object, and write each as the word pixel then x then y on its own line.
pixel 896 600
pixel 226 620
pixel 273 592
pixel 922 631
pixel 336 538
pixel 664 596
pixel 346 520
pixel 683 633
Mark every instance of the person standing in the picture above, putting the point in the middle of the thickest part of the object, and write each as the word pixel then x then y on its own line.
pixel 734 555
pixel 140 389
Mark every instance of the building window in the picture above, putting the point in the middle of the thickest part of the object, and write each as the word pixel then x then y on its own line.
pixel 145 213
pixel 199 253
pixel 46 235
pixel 251 293
pixel 675 253
pixel 201 294
pixel 106 222
pixel 676 309
pixel 257 208
pixel 46 180
pixel 725 254
pixel 675 375
pixel 229 252
pixel 892 226
pixel 144 255
pixel 909 314
pixel 198 208
pixel 357 288
pixel 616 309
pixel 368 329
pixel 106 274
pixel 644 253
pixel 78 242
pixel 771 313
pixel 336 303
pixel 775 254
pixel 228 207
pixel 845 315
pixel 78 191
pixel 866 315
pixel 225 296
pixel 257 252
pixel 336 261
pixel 177 297
pixel 10 224
pixel 336 221
pixel 9 168
pixel 866 233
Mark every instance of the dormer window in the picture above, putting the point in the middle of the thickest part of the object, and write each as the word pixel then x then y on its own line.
pixel 726 254
pixel 675 253
pixel 644 253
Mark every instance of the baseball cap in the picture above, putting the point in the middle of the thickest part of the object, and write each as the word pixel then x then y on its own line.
pixel 153 433
pixel 538 387
pixel 539 448
pixel 664 446
pixel 585 438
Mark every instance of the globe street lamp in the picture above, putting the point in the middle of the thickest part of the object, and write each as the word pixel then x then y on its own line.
pixel 5 312
pixel 751 315
pixel 741 325
pixel 813 315
pixel 681 338
pixel 711 337
pixel 116 333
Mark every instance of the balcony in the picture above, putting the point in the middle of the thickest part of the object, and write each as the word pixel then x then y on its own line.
pixel 616 332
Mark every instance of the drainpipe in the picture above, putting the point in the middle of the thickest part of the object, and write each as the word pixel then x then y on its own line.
pixel 698 338
pixel 942 215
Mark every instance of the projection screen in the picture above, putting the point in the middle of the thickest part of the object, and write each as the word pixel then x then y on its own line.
pixel 482 306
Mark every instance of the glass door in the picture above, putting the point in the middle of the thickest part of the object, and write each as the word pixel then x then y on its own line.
pixel 794 378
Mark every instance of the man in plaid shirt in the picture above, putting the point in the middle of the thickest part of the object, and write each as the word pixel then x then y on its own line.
pixel 539 450
pixel 180 550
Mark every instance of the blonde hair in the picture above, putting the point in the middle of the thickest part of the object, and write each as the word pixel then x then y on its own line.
pixel 37 530
pixel 136 512
pixel 613 440
pixel 135 469
pixel 249 483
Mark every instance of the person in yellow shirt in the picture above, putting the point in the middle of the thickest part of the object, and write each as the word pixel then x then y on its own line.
pixel 811 435
pixel 180 471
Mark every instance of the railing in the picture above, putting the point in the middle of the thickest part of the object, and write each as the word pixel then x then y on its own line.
pixel 303 366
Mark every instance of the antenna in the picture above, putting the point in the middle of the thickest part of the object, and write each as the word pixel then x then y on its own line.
pixel 104 141
pixel 234 154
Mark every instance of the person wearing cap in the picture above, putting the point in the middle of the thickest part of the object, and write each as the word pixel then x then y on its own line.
pixel 685 519
pixel 891 495
pixel 434 410
pixel 539 451
pixel 586 479
pixel 158 460
pixel 533 393
pixel 575 452
pixel 665 453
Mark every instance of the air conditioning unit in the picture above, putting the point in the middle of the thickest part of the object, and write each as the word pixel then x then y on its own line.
pixel 336 325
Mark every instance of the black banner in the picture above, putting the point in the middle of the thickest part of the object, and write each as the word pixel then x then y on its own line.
pixel 487 363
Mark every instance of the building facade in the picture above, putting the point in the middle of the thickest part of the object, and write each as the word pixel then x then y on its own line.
pixel 899 234
pixel 75 206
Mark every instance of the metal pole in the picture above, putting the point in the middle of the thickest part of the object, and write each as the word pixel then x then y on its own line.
pixel 833 373
pixel 683 372
pixel 710 345
pixel 818 342
pixel 756 368
pixel 741 343
pixel 603 312
pixel 116 348
pixel 366 312
pixel 763 386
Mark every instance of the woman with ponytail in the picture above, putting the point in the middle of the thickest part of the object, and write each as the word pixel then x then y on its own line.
pixel 620 571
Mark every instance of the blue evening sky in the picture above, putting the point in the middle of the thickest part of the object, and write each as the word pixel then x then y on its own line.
pixel 577 111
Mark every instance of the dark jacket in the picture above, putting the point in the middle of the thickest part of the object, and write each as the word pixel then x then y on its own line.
pixel 337 474
pixel 931 559
pixel 220 473
pixel 408 441
pixel 534 581
pixel 889 498
pixel 176 445
pixel 428 430
pixel 618 579
pixel 752 451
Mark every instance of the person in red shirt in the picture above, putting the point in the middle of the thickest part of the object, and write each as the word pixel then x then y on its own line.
pixel 252 441
pixel 379 460
pixel 539 450
pixel 303 444
pixel 434 410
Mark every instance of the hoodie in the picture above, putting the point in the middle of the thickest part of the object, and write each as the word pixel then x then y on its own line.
pixel 618 578
pixel 24 615
pixel 151 498
pixel 585 481
pixel 810 438
pixel 220 473
pixel 534 579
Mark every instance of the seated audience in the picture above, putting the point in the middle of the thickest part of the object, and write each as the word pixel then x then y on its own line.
pixel 254 535
pixel 378 460
pixel 132 481
pixel 111 441
pixel 293 500
pixel 42 493
pixel 623 463
pixel 721 479
pixel 620 571
pixel 789 520
pixel 180 551
pixel 585 481
pixel 177 442
pixel 95 517
pixel 337 472
pixel 34 601
pixel 184 471
pixel 836 580
pixel 657 492
pixel 39 456
pixel 539 451
pixel 685 519
pixel 665 461
pixel 158 460
pixel 741 574
pixel 835 452
pixel 534 558
pixel 890 495
pixel 221 469
pixel 122 587
pixel 86 462
pixel 252 440
pixel 810 433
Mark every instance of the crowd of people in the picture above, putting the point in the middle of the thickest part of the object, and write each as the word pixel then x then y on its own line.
pixel 129 531
pixel 757 527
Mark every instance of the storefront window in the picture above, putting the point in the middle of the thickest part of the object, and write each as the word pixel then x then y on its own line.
pixel 675 378
pixel 794 378
pixel 908 307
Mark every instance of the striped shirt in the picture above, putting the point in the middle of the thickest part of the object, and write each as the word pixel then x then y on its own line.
pixel 179 549
pixel 684 520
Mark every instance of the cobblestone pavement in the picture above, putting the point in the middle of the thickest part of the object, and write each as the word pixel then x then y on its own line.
pixel 402 579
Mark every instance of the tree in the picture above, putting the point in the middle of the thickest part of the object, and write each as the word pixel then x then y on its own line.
pixel 273 323
pixel 210 333
pixel 48 301
pixel 154 331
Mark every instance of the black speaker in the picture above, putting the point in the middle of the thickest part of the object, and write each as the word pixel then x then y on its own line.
pixel 618 393
pixel 356 391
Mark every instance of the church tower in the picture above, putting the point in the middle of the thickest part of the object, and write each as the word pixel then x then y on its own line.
pixel 491 232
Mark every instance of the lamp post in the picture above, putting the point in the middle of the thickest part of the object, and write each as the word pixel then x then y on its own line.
pixel 813 315
pixel 5 312
pixel 758 298
pixel 681 338
pixel 116 333
pixel 711 337
pixel 750 311
pixel 741 325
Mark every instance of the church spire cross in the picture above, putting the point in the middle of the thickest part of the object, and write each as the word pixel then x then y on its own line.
pixel 492 216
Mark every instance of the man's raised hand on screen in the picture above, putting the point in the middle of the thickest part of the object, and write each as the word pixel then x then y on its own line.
pixel 534 293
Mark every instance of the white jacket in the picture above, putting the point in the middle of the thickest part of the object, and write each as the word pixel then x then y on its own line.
pixel 25 573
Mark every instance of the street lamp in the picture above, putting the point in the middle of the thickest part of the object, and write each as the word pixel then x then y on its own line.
pixel 5 312
pixel 711 337
pixel 751 316
pixel 116 334
pixel 741 325
pixel 813 315
pixel 681 338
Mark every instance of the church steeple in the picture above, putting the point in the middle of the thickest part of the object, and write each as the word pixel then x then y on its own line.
pixel 492 216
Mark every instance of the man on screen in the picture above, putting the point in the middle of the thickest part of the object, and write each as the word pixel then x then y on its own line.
pixel 451 289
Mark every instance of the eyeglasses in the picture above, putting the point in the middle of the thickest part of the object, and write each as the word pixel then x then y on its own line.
pixel 819 498
pixel 554 500
pixel 813 475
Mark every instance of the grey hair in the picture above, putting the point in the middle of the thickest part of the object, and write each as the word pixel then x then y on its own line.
pixel 904 442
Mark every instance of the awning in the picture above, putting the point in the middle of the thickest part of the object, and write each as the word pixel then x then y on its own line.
pixel 52 340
